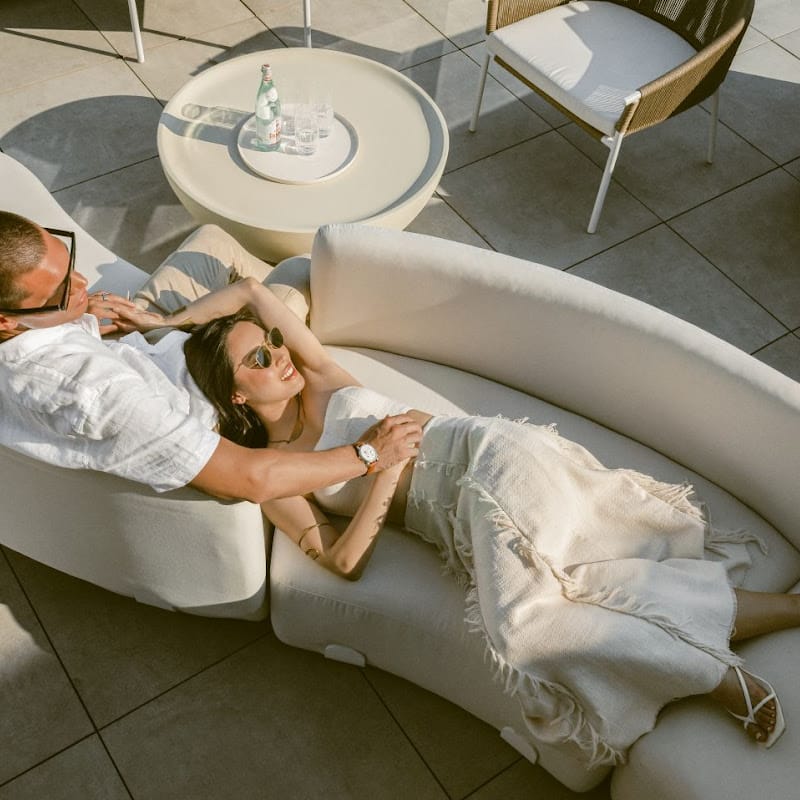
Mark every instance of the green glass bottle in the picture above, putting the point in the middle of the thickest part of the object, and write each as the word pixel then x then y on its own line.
pixel 268 113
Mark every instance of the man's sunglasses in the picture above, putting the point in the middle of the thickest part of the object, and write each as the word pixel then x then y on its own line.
pixel 261 358
pixel 61 305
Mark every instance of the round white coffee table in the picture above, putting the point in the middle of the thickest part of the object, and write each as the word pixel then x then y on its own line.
pixel 402 144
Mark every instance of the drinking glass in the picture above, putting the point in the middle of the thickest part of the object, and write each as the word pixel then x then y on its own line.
pixel 323 108
pixel 306 131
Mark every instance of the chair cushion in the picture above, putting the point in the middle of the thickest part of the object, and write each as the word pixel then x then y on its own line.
pixel 589 56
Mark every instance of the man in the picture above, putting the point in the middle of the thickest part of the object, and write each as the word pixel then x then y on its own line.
pixel 71 399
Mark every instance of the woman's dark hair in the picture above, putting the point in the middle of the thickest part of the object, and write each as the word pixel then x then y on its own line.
pixel 208 363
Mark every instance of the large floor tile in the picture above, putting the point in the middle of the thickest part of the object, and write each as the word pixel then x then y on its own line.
pixel 659 268
pixel 515 784
pixel 534 200
pixel 83 772
pixel 665 166
pixel 438 219
pixel 41 714
pixel 161 21
pixel 120 653
pixel 168 68
pixel 793 167
pixel 504 121
pixel 132 211
pixel 271 721
pixel 761 100
pixel 752 234
pixel 784 355
pixel 36 33
pixel 388 31
pixel 80 125
pixel 461 21
pixel 776 17
pixel 462 751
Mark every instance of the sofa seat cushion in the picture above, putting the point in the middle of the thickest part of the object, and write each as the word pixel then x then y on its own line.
pixel 590 56
pixel 404 616
pixel 698 752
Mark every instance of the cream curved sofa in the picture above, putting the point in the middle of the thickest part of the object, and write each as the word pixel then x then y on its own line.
pixel 449 327
pixel 445 326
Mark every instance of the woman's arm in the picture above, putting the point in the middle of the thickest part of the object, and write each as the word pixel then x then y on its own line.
pixel 248 292
pixel 346 554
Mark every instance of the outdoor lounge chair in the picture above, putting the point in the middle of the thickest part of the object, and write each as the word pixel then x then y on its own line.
pixel 617 66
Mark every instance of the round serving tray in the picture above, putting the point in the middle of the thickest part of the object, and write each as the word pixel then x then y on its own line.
pixel 334 154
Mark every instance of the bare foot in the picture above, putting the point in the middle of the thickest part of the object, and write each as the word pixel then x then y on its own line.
pixel 729 694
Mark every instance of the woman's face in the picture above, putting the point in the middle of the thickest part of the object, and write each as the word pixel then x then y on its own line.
pixel 256 386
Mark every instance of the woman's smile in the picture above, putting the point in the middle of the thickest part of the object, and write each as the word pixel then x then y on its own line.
pixel 289 372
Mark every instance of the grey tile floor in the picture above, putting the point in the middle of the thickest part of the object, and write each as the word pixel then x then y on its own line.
pixel 104 698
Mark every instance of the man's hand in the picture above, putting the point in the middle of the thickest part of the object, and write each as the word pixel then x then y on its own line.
pixel 395 438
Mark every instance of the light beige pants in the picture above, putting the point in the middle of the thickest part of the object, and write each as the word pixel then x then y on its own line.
pixel 209 259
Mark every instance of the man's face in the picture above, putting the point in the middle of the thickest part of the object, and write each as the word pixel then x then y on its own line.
pixel 44 285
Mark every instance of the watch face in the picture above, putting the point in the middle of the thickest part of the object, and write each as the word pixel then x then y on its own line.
pixel 368 453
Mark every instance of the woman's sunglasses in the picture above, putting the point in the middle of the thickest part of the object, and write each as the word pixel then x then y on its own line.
pixel 261 358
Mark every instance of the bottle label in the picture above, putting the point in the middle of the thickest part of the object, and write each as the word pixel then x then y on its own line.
pixel 274 131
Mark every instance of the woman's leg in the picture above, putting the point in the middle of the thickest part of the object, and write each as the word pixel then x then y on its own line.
pixel 757 613
pixel 764 612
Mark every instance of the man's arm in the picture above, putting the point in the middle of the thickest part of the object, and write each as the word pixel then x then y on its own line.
pixel 259 475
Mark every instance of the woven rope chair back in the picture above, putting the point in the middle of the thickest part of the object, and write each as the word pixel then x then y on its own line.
pixel 697 21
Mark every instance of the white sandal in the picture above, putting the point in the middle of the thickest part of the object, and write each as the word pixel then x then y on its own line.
pixel 750 719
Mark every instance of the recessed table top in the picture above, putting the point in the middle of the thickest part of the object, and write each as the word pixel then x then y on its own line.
pixel 402 148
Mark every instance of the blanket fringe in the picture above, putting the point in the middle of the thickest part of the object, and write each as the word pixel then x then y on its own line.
pixel 573 720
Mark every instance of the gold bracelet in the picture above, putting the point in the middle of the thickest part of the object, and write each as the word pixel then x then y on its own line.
pixel 310 528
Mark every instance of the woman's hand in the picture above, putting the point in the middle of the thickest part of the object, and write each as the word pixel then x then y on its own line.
pixel 119 315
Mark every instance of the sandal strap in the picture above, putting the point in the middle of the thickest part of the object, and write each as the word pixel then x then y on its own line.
pixel 750 719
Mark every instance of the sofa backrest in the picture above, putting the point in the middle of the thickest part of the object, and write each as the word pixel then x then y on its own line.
pixel 615 360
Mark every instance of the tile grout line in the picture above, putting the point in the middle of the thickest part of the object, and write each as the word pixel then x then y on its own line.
pixel 182 681
pixel 102 175
pixel 403 731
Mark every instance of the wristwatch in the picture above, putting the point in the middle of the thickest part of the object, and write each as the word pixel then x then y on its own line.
pixel 367 454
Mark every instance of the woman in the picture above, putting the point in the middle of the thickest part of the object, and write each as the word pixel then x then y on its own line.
pixel 589 585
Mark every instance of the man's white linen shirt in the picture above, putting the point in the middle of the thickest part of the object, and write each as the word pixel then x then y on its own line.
pixel 73 400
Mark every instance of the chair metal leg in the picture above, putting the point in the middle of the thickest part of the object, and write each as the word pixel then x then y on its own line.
pixel 613 143
pixel 712 131
pixel 481 85
pixel 137 34
pixel 307 23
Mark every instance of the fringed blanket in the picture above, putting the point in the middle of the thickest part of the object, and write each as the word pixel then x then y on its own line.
pixel 602 594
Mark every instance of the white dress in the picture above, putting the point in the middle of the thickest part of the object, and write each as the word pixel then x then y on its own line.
pixel 602 594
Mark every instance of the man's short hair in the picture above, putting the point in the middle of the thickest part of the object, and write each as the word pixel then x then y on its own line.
pixel 22 248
